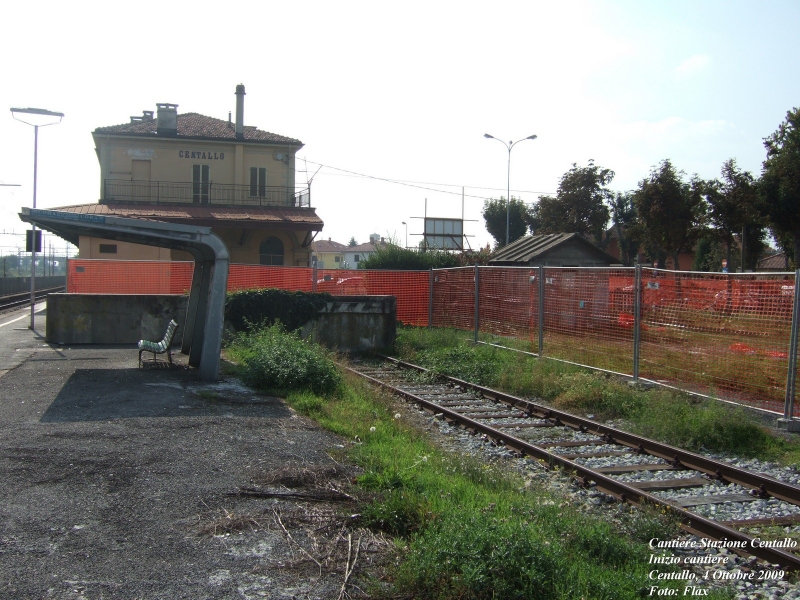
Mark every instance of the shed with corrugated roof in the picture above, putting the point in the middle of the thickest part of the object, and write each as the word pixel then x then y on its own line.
pixel 553 250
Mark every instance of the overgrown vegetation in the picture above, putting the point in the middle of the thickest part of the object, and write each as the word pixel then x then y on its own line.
pixel 391 256
pixel 268 306
pixel 466 530
pixel 665 415
pixel 276 361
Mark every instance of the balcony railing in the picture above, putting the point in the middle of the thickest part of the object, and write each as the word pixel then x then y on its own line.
pixel 217 194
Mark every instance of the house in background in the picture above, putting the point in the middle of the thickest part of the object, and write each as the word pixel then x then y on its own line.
pixel 194 169
pixel 777 261
pixel 327 254
pixel 552 250
pixel 332 255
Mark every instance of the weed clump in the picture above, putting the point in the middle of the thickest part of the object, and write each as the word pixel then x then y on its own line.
pixel 278 361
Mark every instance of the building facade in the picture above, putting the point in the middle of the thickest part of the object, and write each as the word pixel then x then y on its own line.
pixel 190 168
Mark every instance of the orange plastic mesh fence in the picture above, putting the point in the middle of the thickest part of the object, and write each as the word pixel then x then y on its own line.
pixel 250 277
pixel 727 335
pixel 454 298
pixel 161 277
pixel 409 287
pixel 722 335
pixel 128 277
pixel 509 306
pixel 588 317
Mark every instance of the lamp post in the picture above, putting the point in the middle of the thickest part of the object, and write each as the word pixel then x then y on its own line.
pixel 509 145
pixel 404 223
pixel 42 113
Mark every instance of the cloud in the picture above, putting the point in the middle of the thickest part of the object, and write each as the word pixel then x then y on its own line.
pixel 693 64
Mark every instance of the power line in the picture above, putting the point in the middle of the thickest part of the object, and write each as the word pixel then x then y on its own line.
pixel 418 184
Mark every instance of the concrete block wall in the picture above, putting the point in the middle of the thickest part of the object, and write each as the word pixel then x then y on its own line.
pixel 347 324
pixel 355 324
pixel 112 318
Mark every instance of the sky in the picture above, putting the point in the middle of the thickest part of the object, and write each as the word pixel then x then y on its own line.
pixel 392 99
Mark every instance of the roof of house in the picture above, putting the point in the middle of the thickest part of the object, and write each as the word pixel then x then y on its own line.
pixel 773 262
pixel 531 247
pixel 366 247
pixel 327 246
pixel 204 214
pixel 199 127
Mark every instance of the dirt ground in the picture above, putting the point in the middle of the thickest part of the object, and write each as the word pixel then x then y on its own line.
pixel 126 483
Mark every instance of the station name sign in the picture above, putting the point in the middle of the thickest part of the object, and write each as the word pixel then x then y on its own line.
pixel 63 216
pixel 201 154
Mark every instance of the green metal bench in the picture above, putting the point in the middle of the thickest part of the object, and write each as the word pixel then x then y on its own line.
pixel 159 347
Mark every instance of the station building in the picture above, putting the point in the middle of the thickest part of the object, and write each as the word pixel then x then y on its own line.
pixel 193 169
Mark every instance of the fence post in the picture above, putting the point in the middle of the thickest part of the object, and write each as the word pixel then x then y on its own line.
pixel 541 310
pixel 314 277
pixel 637 319
pixel 430 300
pixel 791 376
pixel 477 302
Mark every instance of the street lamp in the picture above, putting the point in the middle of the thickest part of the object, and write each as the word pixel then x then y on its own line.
pixel 508 145
pixel 42 113
pixel 404 223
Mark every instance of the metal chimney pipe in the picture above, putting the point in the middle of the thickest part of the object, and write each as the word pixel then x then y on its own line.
pixel 240 112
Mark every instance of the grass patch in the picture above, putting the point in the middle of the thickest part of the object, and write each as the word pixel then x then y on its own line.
pixel 467 530
pixel 665 415
pixel 471 531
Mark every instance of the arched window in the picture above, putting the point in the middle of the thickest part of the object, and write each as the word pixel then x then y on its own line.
pixel 270 252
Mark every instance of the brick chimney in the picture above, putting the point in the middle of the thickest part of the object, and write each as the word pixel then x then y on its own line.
pixel 240 112
pixel 167 119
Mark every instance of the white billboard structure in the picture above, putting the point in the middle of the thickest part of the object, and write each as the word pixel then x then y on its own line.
pixel 447 234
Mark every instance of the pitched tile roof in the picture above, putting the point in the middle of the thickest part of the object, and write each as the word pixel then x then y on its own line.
pixel 199 127
pixel 254 217
pixel 773 262
pixel 366 247
pixel 328 246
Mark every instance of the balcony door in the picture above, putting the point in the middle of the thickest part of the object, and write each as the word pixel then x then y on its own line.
pixel 140 180
pixel 201 178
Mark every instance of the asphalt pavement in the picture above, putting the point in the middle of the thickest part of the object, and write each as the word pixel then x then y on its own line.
pixel 113 476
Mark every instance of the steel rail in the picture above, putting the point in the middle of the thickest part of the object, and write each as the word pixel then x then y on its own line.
pixel 25 298
pixel 721 471
pixel 691 522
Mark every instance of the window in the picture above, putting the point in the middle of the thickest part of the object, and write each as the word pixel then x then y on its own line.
pixel 200 183
pixel 337 259
pixel 108 248
pixel 271 252
pixel 258 182
pixel 357 258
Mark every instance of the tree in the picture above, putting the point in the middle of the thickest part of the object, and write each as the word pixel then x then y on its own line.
pixel 580 204
pixel 671 211
pixel 625 221
pixel 352 242
pixel 494 214
pixel 734 212
pixel 780 182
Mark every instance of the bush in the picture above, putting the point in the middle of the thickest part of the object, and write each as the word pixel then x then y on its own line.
pixel 394 257
pixel 274 360
pixel 268 306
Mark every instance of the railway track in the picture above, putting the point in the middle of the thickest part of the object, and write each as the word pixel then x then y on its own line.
pixel 15 301
pixel 628 467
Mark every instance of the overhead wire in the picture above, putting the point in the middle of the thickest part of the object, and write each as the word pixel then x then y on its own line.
pixel 419 184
